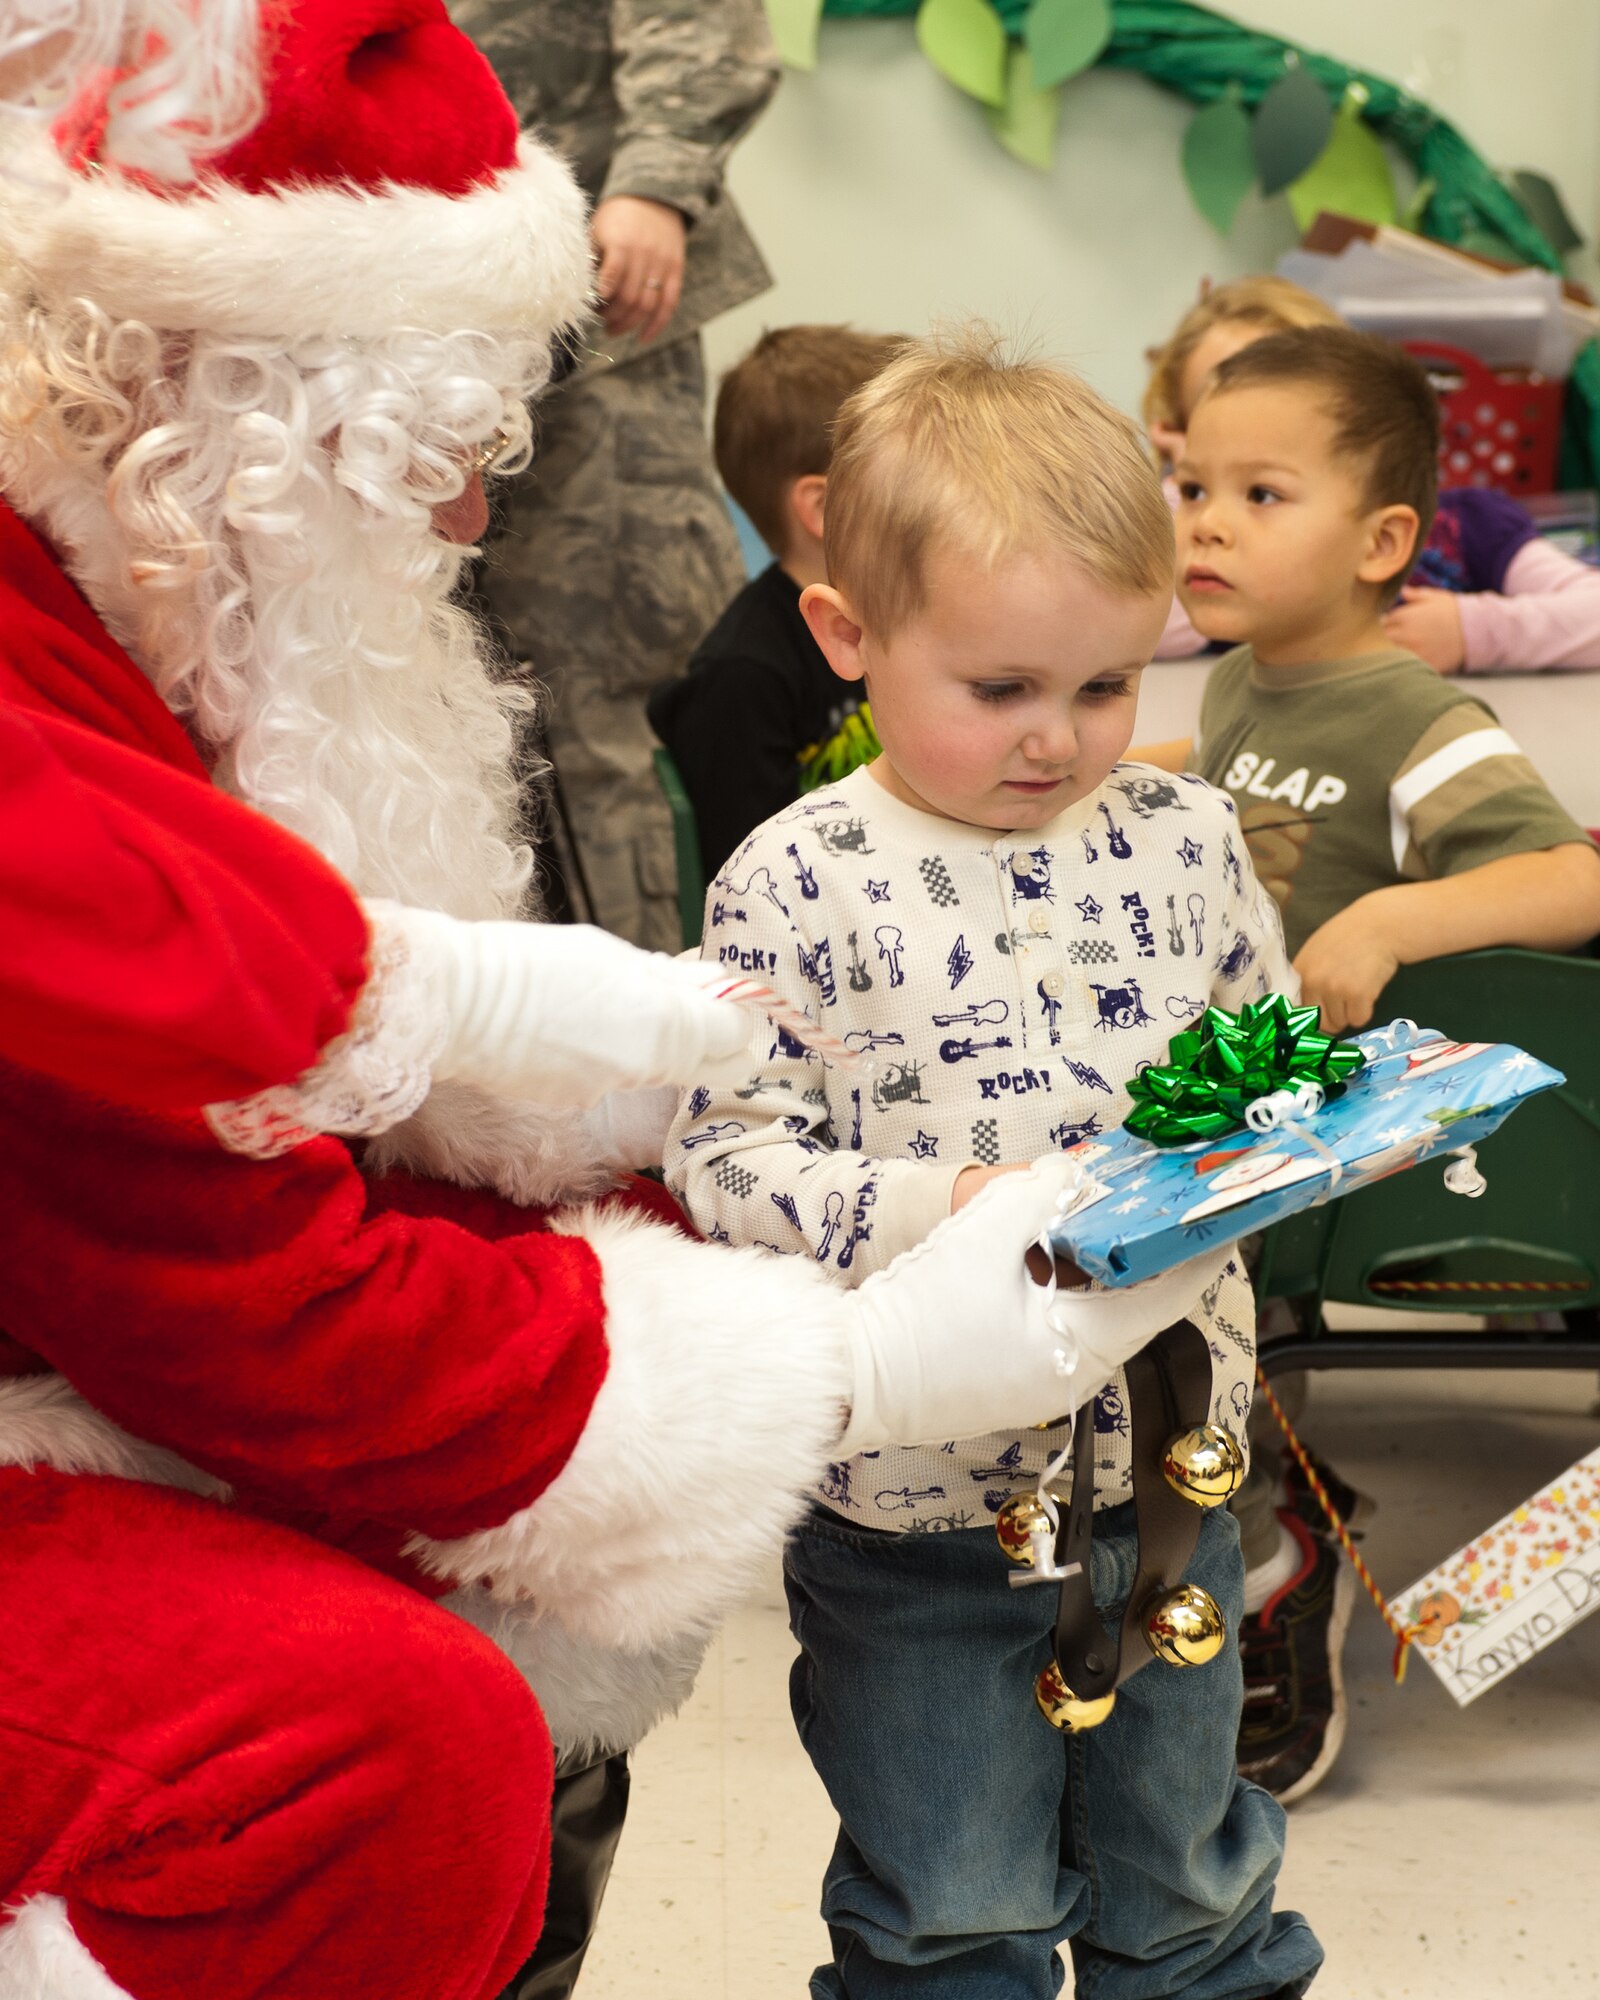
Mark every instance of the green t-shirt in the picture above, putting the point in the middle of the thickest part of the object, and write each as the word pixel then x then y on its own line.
pixel 1351 775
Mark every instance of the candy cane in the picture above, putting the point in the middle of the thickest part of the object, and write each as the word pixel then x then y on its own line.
pixel 751 993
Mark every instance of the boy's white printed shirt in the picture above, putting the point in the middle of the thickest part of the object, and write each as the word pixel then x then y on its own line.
pixel 1006 986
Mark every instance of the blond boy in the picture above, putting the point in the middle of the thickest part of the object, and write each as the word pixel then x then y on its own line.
pixel 1012 923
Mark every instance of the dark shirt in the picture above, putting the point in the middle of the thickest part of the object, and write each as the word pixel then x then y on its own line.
pixel 753 723
pixel 1474 535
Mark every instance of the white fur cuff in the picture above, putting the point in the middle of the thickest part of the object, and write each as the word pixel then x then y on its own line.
pixel 729 1376
pixel 42 1959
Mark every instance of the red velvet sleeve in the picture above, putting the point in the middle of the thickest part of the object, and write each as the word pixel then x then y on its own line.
pixel 414 1354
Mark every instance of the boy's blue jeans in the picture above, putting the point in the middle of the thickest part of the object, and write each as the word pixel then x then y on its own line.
pixel 974 1838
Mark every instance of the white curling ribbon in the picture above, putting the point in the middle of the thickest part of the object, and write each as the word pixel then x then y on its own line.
pixel 1282 1111
pixel 1462 1175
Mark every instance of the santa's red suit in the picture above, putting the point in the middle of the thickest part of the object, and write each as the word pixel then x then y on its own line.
pixel 261 1409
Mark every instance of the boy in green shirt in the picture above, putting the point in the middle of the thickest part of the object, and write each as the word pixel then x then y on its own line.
pixel 1384 807
pixel 1386 810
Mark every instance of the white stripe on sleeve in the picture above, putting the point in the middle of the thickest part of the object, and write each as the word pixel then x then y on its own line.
pixel 1409 790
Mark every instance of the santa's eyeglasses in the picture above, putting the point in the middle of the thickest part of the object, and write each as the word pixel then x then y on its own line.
pixel 486 456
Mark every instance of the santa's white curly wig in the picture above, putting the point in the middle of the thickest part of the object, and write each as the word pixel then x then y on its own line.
pixel 187 72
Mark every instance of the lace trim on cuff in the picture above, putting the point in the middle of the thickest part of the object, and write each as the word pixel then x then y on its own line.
pixel 371 1077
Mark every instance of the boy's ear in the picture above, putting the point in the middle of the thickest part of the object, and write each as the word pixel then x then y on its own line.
pixel 835 628
pixel 1391 544
pixel 806 498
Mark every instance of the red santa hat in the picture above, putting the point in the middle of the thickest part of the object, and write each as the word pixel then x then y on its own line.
pixel 385 185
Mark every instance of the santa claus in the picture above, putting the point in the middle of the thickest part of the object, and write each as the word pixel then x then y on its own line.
pixel 279 1375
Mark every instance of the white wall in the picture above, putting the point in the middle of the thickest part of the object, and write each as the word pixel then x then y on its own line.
pixel 880 196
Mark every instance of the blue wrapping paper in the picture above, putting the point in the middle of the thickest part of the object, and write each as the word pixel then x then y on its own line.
pixel 1420 1097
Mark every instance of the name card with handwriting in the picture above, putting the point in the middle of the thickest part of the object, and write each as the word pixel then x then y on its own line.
pixel 1514 1589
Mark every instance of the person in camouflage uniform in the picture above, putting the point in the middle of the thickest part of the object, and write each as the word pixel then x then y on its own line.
pixel 616 553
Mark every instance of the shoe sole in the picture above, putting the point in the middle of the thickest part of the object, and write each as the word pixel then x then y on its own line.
pixel 1344 1598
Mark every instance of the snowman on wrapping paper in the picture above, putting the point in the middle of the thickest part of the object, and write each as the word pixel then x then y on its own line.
pixel 1247 1173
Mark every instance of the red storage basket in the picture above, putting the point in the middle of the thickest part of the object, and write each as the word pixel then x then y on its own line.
pixel 1497 427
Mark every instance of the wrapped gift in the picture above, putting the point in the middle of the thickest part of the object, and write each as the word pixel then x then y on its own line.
pixel 1257 1116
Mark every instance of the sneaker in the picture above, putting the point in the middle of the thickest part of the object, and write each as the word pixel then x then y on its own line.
pixel 1294 1706
pixel 1354 1507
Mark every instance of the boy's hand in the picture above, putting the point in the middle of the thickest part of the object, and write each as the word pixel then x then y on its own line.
pixel 1345 965
pixel 1428 623
pixel 973 1180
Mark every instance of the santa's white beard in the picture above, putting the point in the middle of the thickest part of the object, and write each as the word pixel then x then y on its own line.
pixel 355 705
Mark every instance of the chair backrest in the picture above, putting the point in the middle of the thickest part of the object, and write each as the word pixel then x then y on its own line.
pixel 686 848
pixel 1532 1241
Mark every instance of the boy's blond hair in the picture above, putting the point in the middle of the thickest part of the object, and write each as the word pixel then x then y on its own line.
pixel 1272 304
pixel 954 445
pixel 775 412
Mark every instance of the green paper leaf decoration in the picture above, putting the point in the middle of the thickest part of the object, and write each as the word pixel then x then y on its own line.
pixel 965 40
pixel 1541 198
pixel 794 26
pixel 1026 123
pixel 1351 177
pixel 1218 162
pixel 1065 37
pixel 1293 122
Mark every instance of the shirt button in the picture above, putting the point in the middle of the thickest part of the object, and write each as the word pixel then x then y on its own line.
pixel 1038 922
pixel 1054 985
pixel 1022 864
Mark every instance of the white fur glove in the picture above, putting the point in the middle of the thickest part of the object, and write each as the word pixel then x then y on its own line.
pixel 563 1013
pixel 955 1339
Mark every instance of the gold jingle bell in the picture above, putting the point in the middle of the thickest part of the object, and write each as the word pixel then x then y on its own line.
pixel 1205 1464
pixel 1062 1709
pixel 1015 1525
pixel 1184 1627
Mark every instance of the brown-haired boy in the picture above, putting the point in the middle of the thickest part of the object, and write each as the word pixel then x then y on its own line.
pixel 1384 807
pixel 760 716
pixel 1015 922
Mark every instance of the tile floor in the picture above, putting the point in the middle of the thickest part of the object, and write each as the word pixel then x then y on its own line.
pixel 1452 1854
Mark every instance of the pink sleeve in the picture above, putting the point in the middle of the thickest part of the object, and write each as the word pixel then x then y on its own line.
pixel 1547 616
pixel 1180 641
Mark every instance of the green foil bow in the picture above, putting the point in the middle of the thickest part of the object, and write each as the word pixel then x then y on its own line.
pixel 1216 1070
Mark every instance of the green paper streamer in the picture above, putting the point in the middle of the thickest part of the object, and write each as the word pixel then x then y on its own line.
pixel 1542 199
pixel 794 25
pixel 1026 123
pixel 1218 162
pixel 1351 178
pixel 1214 1072
pixel 1293 122
pixel 965 40
pixel 1065 37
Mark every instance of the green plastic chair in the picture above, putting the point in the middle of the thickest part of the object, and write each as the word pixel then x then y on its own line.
pixel 1529 1244
pixel 686 848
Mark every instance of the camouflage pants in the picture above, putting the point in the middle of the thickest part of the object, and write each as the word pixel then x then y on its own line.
pixel 614 556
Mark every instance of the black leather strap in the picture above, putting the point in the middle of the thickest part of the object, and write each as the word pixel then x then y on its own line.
pixel 1169 1389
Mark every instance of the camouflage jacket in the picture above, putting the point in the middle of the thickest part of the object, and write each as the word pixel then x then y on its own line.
pixel 645 97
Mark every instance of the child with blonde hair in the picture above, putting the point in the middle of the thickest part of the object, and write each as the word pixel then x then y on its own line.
pixel 1013 921
pixel 1486 593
